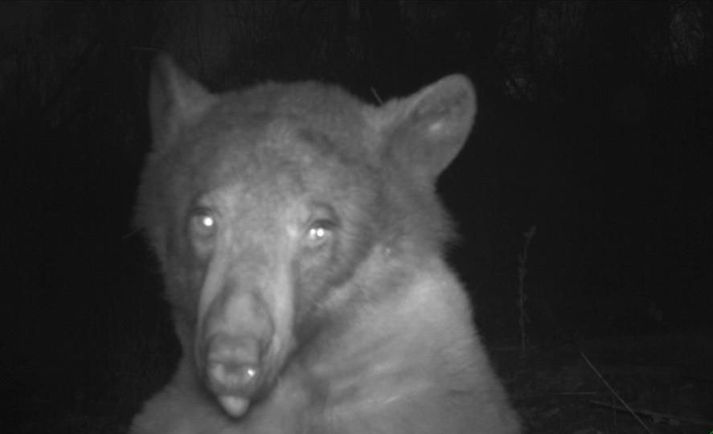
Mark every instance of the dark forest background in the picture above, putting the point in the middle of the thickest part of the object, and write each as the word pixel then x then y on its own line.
pixel 591 154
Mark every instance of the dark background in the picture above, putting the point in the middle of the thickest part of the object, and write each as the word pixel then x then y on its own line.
pixel 594 128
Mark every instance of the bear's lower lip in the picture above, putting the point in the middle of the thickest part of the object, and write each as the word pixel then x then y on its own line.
pixel 235 406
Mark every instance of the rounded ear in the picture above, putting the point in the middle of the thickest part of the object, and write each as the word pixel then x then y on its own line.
pixel 424 132
pixel 175 100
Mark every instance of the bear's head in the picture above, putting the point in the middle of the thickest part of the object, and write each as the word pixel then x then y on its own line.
pixel 263 205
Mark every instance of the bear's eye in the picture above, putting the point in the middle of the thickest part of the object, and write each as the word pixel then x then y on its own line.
pixel 320 231
pixel 202 223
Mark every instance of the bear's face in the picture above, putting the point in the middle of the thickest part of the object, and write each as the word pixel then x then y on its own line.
pixel 268 221
pixel 262 206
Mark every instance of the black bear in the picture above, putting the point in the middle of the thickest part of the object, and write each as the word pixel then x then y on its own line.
pixel 301 241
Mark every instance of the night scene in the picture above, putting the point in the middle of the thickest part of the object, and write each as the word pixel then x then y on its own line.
pixel 341 217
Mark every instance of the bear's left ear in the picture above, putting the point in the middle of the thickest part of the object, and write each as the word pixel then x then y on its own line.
pixel 424 132
pixel 175 101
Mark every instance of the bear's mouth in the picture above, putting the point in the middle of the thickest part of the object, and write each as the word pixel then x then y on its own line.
pixel 235 371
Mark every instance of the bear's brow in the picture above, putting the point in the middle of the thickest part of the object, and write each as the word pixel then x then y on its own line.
pixel 318 140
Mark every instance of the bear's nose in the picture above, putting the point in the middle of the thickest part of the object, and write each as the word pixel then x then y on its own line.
pixel 232 376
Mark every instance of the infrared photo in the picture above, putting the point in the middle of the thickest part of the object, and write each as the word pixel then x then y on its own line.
pixel 293 217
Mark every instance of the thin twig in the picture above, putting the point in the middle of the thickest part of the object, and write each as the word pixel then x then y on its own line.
pixel 522 296
pixel 616 395
pixel 656 415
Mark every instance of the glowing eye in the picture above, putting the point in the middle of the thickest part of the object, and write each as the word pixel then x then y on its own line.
pixel 207 221
pixel 317 233
pixel 320 231
pixel 203 222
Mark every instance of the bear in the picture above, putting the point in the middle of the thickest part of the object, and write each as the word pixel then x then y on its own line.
pixel 302 244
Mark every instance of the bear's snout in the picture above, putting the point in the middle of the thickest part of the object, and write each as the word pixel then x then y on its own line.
pixel 238 333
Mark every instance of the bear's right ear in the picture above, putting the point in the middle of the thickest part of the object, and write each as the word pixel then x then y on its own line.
pixel 175 100
pixel 424 132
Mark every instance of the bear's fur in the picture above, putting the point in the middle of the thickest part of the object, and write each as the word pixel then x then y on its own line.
pixel 302 241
